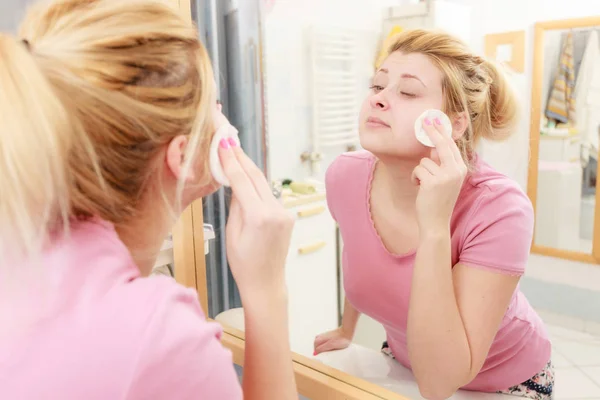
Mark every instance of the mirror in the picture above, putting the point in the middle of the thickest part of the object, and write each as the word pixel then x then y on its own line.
pixel 178 255
pixel 293 84
pixel 568 145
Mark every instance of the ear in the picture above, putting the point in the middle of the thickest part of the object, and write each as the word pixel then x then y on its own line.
pixel 175 157
pixel 460 122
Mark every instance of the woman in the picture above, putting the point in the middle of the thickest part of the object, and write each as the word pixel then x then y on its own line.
pixel 107 110
pixel 436 240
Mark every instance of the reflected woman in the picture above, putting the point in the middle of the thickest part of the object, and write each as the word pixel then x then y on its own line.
pixel 435 240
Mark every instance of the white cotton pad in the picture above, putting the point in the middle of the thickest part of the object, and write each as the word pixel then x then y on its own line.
pixel 431 114
pixel 226 131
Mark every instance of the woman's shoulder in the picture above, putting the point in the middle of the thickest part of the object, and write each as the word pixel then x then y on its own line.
pixel 156 302
pixel 346 179
pixel 176 340
pixel 494 219
pixel 359 157
pixel 492 199
pixel 486 185
pixel 348 167
pixel 153 325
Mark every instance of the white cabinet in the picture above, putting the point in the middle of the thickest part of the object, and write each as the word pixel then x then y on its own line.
pixel 560 149
pixel 558 205
pixel 312 273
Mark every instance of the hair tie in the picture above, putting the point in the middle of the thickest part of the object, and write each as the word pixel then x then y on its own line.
pixel 478 60
pixel 26 43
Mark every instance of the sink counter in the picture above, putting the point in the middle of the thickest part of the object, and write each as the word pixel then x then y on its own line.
pixel 375 367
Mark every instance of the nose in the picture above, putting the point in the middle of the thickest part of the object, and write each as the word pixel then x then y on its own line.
pixel 379 102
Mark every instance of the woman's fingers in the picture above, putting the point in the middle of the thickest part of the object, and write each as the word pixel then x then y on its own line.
pixel 331 345
pixel 325 347
pixel 440 139
pixel 430 166
pixel 319 340
pixel 241 184
pixel 456 153
pixel 255 174
pixel 420 175
pixel 235 214
pixel 247 181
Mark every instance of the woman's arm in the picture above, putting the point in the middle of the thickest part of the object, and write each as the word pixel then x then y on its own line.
pixel 341 337
pixel 268 371
pixel 349 319
pixel 258 235
pixel 453 317
pixel 454 313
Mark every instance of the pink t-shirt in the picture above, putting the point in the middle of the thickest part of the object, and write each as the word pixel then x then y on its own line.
pixel 491 228
pixel 107 333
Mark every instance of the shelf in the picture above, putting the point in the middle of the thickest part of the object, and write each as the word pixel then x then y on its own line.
pixel 406 11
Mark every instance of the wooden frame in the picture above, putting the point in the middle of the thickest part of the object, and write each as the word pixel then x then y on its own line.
pixel 534 136
pixel 314 379
pixel 188 250
pixel 516 39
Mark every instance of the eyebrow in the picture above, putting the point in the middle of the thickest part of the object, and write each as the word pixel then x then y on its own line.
pixel 407 76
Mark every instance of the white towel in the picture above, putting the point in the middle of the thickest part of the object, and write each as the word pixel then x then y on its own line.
pixel 587 98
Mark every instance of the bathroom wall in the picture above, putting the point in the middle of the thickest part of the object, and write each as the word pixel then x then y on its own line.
pixel 491 16
pixel 291 19
pixel 565 292
pixel 287 65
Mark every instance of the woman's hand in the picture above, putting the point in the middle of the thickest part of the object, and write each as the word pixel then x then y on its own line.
pixel 257 239
pixel 258 229
pixel 440 178
pixel 336 339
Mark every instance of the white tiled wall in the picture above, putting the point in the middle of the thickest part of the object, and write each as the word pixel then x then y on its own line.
pixel 288 82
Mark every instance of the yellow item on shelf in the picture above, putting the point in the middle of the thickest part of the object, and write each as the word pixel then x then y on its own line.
pixel 383 52
pixel 303 187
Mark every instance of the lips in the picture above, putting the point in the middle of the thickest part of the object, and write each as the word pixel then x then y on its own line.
pixel 376 122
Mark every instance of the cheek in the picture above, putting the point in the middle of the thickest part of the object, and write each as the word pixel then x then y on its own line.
pixel 405 113
pixel 404 119
pixel 364 109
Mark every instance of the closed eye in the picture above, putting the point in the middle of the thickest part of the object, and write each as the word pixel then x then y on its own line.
pixel 408 94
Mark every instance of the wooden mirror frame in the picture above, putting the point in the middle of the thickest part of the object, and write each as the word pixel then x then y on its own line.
pixel 314 380
pixel 534 137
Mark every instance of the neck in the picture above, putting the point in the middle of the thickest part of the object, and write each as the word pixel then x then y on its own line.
pixel 395 178
pixel 144 236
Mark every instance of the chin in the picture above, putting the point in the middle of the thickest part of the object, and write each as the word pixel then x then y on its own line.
pixel 397 152
pixel 208 190
pixel 192 194
pixel 373 142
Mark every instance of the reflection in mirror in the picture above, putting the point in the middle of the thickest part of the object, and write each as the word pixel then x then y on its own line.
pixel 375 290
pixel 165 261
pixel 568 149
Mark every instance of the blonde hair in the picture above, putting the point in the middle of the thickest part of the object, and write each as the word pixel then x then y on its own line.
pixel 471 84
pixel 88 99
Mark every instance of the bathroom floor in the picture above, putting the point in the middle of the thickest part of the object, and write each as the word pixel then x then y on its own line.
pixel 576 357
